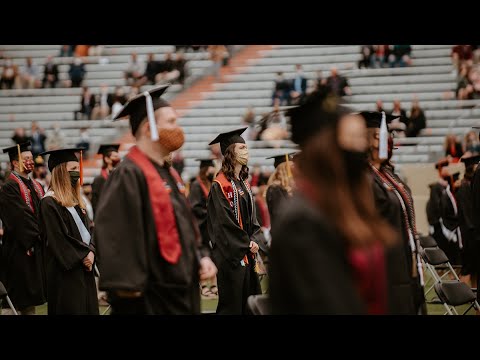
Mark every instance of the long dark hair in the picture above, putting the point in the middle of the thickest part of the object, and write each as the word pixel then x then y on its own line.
pixel 228 164
pixel 348 205
pixel 202 174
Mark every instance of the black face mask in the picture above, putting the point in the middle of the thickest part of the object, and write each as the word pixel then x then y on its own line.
pixel 74 176
pixel 210 177
pixel 355 162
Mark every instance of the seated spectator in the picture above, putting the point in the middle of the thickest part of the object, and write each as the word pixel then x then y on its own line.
pixel 67 50
pixel 217 55
pixel 379 105
pixel 50 73
pixel 249 120
pixel 474 79
pixel 95 50
pixel 119 93
pixel 9 74
pixel 462 54
pixel 380 58
pixel 181 66
pixel 81 50
pixel 151 70
pixel 464 86
pixel 320 82
pixel 338 84
pixel 273 126
pixel 103 103
pixel 134 71
pixel 56 139
pixel 37 138
pixel 282 90
pixel 29 75
pixel 471 144
pixel 77 72
pixel 19 136
pixel 87 104
pixel 453 149
pixel 84 140
pixel 400 124
pixel 417 120
pixel 117 105
pixel 400 56
pixel 167 72
pixel 298 86
pixel 367 59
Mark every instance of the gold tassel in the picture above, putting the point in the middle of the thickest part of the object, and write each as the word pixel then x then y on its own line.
pixel 20 160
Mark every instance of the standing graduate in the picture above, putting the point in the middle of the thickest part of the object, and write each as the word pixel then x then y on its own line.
pixel 280 184
pixel 150 254
pixel 198 196
pixel 111 159
pixel 327 253
pixel 395 204
pixel 233 228
pixel 65 230
pixel 22 266
pixel 475 184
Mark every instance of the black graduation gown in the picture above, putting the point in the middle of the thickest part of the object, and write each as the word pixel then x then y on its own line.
pixel 230 244
pixel 23 275
pixel 451 222
pixel 71 287
pixel 275 196
pixel 434 214
pixel 198 202
pixel 129 254
pixel 476 222
pixel 401 286
pixel 309 272
pixel 465 219
pixel 97 189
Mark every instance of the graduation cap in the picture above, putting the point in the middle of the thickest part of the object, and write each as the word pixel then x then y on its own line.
pixel 205 162
pixel 282 158
pixel 228 138
pixel 471 160
pixel 61 156
pixel 144 105
pixel 319 110
pixel 104 149
pixel 15 152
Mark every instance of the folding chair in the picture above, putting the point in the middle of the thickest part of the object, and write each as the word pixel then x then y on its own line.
pixel 4 295
pixel 454 293
pixel 258 305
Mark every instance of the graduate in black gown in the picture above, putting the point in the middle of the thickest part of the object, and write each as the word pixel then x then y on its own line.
pixel 198 195
pixel 233 228
pixel 465 219
pixel 327 252
pixel 395 204
pixel 22 266
pixel 280 184
pixel 65 230
pixel 111 159
pixel 150 254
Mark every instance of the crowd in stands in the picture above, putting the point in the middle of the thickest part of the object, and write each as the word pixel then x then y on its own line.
pixel 466 63
pixel 380 56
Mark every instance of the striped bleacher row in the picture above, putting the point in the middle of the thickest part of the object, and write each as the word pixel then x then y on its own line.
pixel 19 107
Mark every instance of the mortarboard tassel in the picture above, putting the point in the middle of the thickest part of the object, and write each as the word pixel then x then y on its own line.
pixel 151 117
pixel 20 161
pixel 289 172
pixel 383 146
pixel 81 167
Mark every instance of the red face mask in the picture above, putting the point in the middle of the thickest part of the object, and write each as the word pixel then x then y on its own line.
pixel 28 166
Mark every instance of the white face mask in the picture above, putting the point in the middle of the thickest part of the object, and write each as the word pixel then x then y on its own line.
pixel 242 156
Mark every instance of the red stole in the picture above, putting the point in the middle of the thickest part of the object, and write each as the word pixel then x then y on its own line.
pixel 162 208
pixel 104 174
pixel 203 187
pixel 25 191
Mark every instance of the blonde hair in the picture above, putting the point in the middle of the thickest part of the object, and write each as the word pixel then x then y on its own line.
pixel 280 177
pixel 60 184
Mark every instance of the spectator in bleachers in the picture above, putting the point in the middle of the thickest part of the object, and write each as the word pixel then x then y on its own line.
pixel 217 54
pixel 474 79
pixel 282 90
pixel 471 144
pixel 399 125
pixel 273 126
pixel 453 148
pixel 9 74
pixel 95 50
pixel 151 70
pixel 117 105
pixel 167 73
pixel 120 94
pixel 379 105
pixel 134 91
pixel 103 103
pixel 320 82
pixel 77 72
pixel 462 54
pixel 417 120
pixel 338 84
pixel 298 86
pixel 181 66
pixel 84 140
pixel 249 121
pixel 50 73
pixel 81 50
pixel 29 75
pixel 134 71
pixel 38 138
pixel 19 136
pixel 67 50
pixel 367 60
pixel 464 87
pixel 400 56
pixel 56 140
pixel 382 53
pixel 87 104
